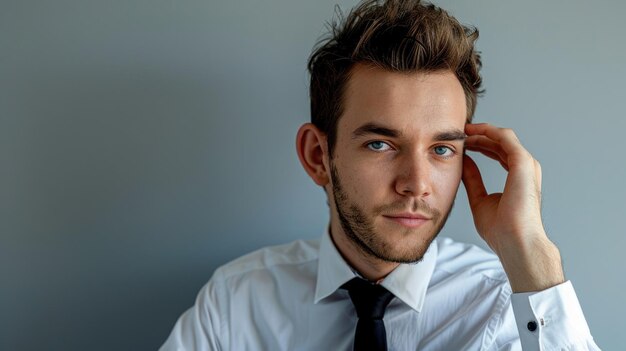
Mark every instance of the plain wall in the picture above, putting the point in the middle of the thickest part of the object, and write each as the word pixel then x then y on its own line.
pixel 144 143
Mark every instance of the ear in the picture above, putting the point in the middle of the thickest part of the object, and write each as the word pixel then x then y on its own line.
pixel 313 151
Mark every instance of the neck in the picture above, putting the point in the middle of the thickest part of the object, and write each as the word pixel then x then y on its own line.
pixel 368 266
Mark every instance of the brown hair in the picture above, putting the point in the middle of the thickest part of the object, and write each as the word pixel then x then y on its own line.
pixel 396 35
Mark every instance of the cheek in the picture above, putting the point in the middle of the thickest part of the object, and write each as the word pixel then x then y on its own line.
pixel 448 181
pixel 365 184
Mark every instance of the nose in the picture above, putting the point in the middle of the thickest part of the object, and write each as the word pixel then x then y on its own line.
pixel 414 176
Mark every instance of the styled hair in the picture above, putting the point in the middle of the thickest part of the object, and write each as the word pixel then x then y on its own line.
pixel 396 35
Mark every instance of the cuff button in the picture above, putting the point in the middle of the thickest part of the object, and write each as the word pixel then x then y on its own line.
pixel 532 326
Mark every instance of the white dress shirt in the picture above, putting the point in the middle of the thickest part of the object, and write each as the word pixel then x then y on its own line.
pixel 458 297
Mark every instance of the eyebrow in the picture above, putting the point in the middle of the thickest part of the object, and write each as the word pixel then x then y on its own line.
pixel 375 128
pixel 451 135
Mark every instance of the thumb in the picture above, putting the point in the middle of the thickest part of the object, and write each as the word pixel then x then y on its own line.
pixel 473 182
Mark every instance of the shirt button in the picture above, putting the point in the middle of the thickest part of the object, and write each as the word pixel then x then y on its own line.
pixel 532 326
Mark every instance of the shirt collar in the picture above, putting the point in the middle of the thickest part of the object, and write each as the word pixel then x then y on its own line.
pixel 408 282
pixel 332 270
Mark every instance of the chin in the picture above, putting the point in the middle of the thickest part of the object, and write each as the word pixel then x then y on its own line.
pixel 407 245
pixel 410 253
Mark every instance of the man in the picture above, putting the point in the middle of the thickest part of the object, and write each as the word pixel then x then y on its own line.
pixel 393 92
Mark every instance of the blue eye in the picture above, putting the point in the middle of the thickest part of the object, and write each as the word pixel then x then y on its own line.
pixel 443 151
pixel 378 146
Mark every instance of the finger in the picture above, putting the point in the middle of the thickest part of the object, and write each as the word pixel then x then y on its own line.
pixel 491 155
pixel 487 147
pixel 505 137
pixel 538 175
pixel 486 144
pixel 473 181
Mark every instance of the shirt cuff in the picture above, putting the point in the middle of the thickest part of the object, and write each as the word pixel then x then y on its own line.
pixel 550 319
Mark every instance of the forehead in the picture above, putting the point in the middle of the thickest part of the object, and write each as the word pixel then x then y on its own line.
pixel 416 103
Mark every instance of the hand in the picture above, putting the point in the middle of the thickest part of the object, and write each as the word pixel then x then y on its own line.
pixel 510 222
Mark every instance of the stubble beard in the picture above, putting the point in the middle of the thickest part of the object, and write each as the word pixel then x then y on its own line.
pixel 359 228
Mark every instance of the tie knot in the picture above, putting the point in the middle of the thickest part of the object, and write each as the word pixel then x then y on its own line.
pixel 369 300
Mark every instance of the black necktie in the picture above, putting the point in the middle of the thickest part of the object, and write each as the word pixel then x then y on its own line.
pixel 370 301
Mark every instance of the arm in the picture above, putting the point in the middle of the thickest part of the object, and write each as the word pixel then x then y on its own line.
pixel 558 320
pixel 200 326
pixel 546 309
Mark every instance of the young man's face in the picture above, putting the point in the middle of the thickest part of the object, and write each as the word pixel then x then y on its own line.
pixel 396 165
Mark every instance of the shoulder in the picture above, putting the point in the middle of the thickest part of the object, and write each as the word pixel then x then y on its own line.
pixel 270 258
pixel 472 285
pixel 458 258
pixel 259 274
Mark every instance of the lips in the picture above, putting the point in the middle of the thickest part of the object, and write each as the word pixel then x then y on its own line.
pixel 411 220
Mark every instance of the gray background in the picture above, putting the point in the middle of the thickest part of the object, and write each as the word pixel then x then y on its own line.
pixel 144 143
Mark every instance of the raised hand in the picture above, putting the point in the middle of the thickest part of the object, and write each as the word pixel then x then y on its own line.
pixel 510 221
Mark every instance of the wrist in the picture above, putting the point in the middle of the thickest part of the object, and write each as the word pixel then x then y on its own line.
pixel 532 266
